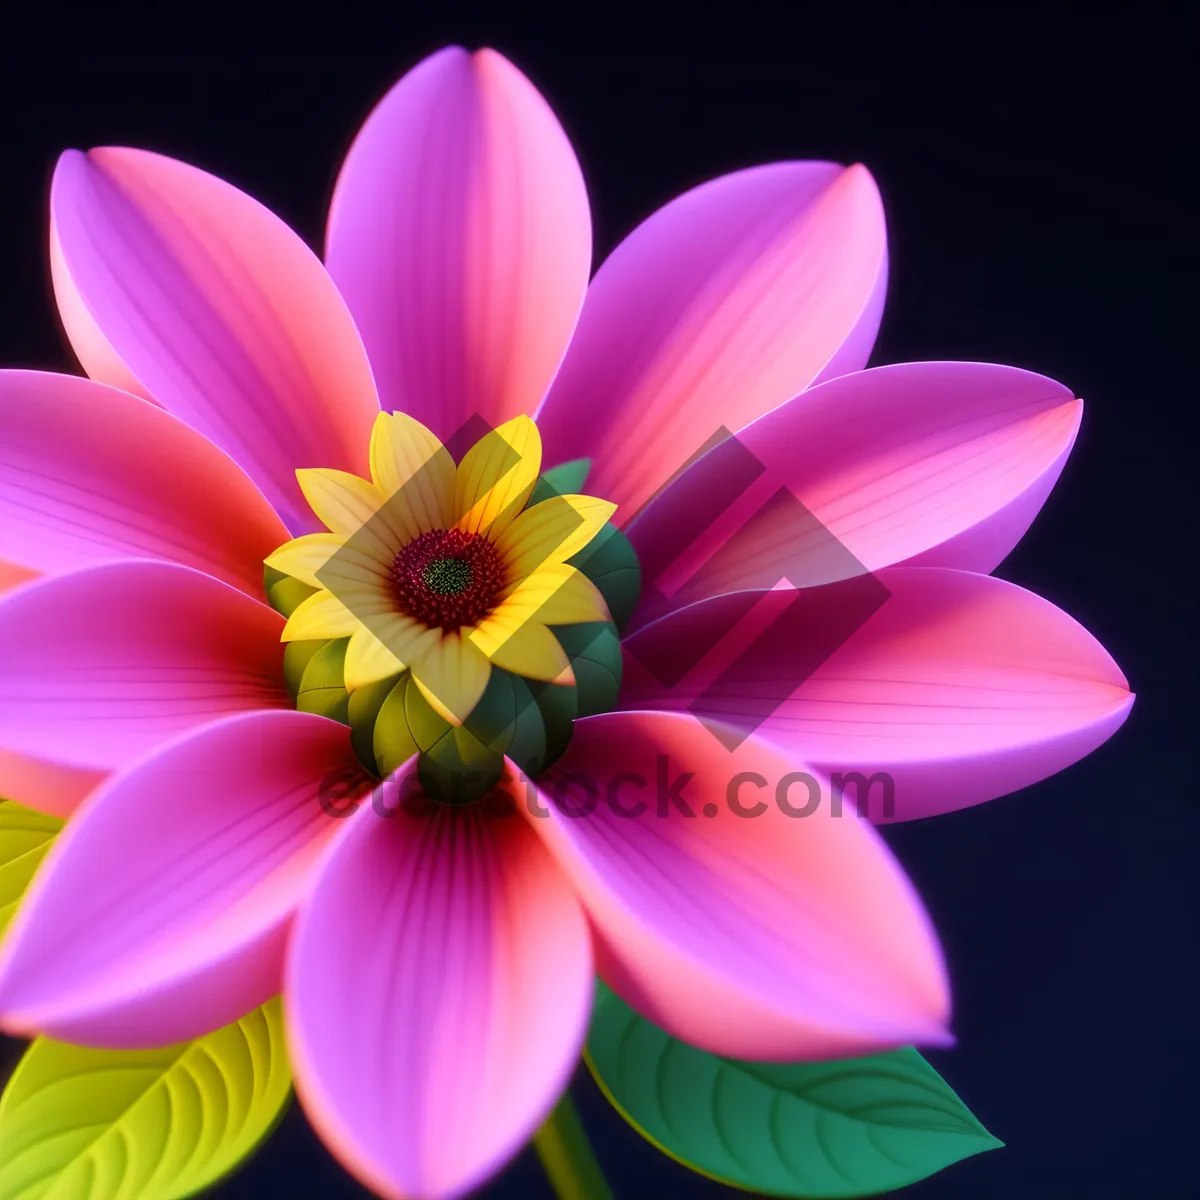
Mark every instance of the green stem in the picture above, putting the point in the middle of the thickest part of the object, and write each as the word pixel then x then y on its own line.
pixel 567 1156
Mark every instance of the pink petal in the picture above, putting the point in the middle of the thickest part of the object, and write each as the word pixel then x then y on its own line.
pixel 721 306
pixel 762 937
pixel 47 787
pixel 216 308
pixel 13 574
pixel 99 666
pixel 89 473
pixel 94 351
pixel 941 464
pixel 438 990
pixel 162 911
pixel 960 687
pixel 461 238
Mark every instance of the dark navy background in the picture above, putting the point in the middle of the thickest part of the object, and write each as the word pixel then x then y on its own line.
pixel 1034 160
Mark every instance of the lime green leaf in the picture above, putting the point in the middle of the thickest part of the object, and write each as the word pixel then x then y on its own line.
pixel 79 1124
pixel 858 1127
pixel 25 836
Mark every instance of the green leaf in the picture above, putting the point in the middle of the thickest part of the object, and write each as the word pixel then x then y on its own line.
pixel 858 1127
pixel 567 479
pixel 25 836
pixel 78 1124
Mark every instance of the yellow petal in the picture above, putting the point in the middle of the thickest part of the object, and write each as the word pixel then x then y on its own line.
pixel 414 471
pixel 322 615
pixel 303 557
pixel 524 647
pixel 348 505
pixel 452 675
pixel 496 476
pixel 355 569
pixel 551 532
pixel 385 647
pixel 554 595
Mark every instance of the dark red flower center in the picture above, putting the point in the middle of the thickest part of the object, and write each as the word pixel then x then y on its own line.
pixel 448 578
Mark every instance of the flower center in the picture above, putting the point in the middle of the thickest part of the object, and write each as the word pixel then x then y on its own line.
pixel 448 578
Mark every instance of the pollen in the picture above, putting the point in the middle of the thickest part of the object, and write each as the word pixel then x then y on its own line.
pixel 447 578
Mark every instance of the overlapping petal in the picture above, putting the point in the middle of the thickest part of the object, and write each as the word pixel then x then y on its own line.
pixel 556 594
pixel 524 646
pixel 721 306
pixel 217 309
pixel 190 865
pixel 496 477
pixel 99 666
pixel 385 648
pixel 959 689
pixel 343 502
pixel 49 787
pixel 939 463
pixel 460 236
pixel 438 990
pixel 551 532
pixel 764 936
pixel 88 473
pixel 453 675
pixel 411 466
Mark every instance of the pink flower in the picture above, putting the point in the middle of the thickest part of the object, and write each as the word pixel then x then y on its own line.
pixel 437 970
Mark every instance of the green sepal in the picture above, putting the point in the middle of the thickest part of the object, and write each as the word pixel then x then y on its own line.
pixel 611 563
pixel 322 690
pixel 558 705
pixel 363 712
pixel 285 594
pixel 392 740
pixel 528 745
pixel 850 1128
pixel 465 762
pixel 594 648
pixel 426 724
pixel 567 479
pixel 459 768
pixel 296 657
pixel 493 719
